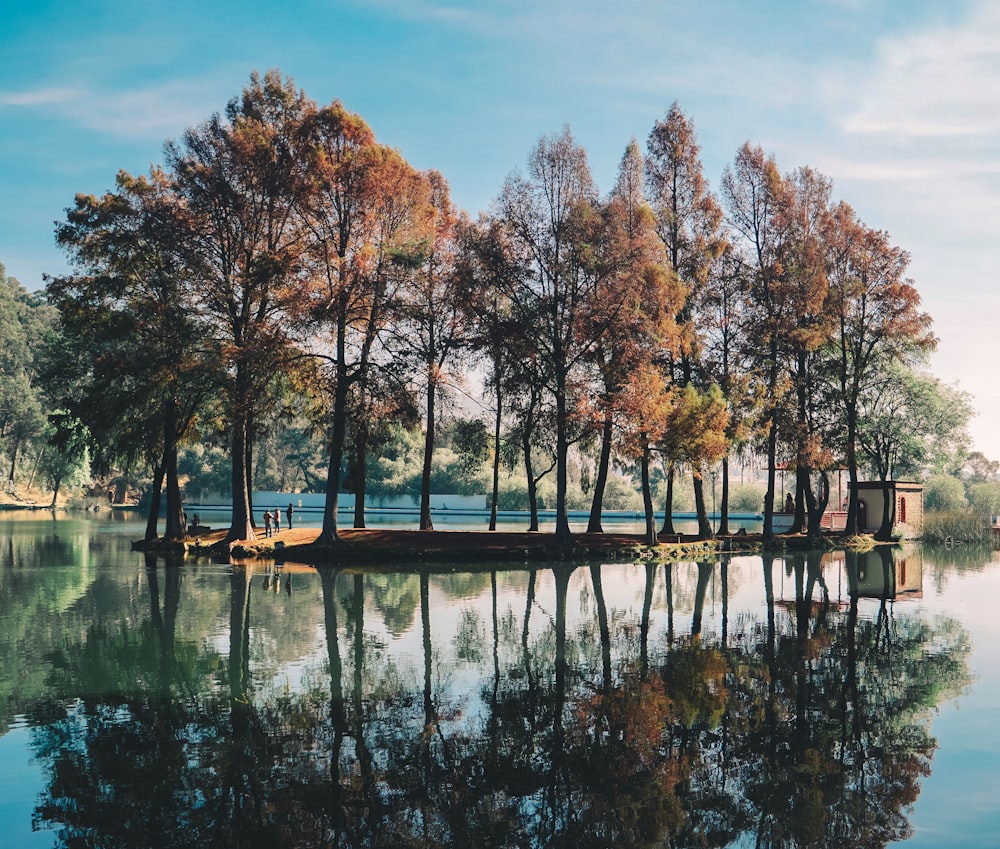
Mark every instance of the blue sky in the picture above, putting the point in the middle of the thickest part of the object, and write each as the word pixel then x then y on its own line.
pixel 898 101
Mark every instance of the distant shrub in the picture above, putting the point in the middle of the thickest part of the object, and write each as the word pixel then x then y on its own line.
pixel 747 498
pixel 985 497
pixel 944 492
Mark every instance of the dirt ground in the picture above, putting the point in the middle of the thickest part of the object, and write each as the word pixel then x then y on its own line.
pixel 387 546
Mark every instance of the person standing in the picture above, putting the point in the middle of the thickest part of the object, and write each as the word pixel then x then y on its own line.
pixel 277 520
pixel 288 516
pixel 267 523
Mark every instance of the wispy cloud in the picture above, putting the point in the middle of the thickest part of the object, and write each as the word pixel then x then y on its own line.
pixel 942 82
pixel 37 97
pixel 156 111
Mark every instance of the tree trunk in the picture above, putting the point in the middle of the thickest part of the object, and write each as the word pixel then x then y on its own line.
pixel 154 505
pixel 174 528
pixel 704 527
pixel 563 535
pixel 426 522
pixel 495 494
pixel 817 506
pixel 597 504
pixel 241 527
pixel 668 506
pixel 529 472
pixel 251 428
pixel 772 453
pixel 888 514
pixel 360 474
pixel 803 493
pixel 647 499
pixel 329 534
pixel 724 505
pixel 16 444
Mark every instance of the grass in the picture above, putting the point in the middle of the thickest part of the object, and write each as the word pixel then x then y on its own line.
pixel 951 526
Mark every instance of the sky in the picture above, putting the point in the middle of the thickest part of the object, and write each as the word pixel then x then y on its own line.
pixel 897 101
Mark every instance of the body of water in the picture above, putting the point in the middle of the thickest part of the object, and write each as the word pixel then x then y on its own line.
pixel 827 699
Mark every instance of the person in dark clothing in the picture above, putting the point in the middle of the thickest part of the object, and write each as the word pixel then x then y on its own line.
pixel 288 515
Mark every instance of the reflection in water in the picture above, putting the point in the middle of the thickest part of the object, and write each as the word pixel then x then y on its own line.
pixel 515 718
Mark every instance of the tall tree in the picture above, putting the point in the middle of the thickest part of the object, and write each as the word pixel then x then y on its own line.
pixel 487 269
pixel 24 323
pixel 721 316
pixel 644 295
pixel 551 219
pixel 877 313
pixel 125 317
pixel 242 177
pixel 808 328
pixel 689 222
pixel 365 213
pixel 753 193
pixel 431 321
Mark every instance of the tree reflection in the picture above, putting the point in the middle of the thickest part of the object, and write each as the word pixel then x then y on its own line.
pixel 810 728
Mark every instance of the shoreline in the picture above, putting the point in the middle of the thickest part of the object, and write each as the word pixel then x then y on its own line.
pixel 362 547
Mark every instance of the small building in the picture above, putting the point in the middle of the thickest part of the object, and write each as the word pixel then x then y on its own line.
pixel 907 496
pixel 887 574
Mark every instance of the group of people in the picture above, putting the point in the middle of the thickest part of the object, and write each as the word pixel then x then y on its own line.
pixel 272 520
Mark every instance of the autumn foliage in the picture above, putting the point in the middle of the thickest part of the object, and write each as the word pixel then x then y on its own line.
pixel 657 326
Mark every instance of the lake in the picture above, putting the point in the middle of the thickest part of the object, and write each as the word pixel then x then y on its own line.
pixel 824 699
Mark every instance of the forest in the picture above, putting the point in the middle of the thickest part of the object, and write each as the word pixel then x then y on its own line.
pixel 286 290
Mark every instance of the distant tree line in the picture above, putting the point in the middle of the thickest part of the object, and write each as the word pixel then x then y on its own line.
pixel 285 265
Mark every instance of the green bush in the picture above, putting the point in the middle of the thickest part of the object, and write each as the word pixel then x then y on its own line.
pixel 944 493
pixel 747 498
pixel 985 497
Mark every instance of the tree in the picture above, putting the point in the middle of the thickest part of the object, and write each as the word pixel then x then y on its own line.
pixel 242 179
pixel 366 209
pixel 646 404
pixel 550 218
pixel 689 222
pixel 123 315
pixel 487 269
pixel 24 323
pixel 722 314
pixel 878 319
pixel 644 296
pixel 753 193
pixel 909 421
pixel 978 468
pixel 430 326
pixel 695 433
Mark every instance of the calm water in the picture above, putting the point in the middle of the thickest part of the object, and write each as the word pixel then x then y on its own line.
pixel 816 700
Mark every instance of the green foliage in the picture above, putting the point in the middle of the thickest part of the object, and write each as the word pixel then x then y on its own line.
pixel 984 497
pixel 944 492
pixel 397 468
pixel 471 442
pixel 747 498
pixel 204 468
pixel 25 321
pixel 621 494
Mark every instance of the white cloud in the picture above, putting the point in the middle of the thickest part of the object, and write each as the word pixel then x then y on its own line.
pixel 154 112
pixel 938 83
pixel 37 97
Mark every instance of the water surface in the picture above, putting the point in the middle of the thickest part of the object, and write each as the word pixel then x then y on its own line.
pixel 810 700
